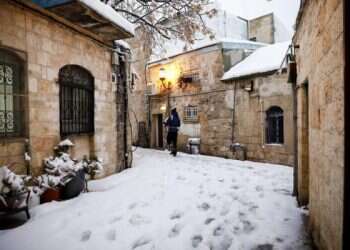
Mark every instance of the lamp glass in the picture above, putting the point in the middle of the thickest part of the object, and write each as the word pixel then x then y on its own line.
pixel 162 74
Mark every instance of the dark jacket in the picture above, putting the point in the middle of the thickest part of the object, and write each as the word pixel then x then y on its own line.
pixel 173 122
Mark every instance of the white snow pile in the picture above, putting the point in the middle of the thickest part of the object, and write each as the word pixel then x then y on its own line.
pixel 262 60
pixel 122 43
pixel 110 14
pixel 66 143
pixel 166 203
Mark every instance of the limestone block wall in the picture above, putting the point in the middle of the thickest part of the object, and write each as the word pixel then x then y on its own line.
pixel 262 28
pixel 48 46
pixel 209 95
pixel 138 99
pixel 250 117
pixel 321 64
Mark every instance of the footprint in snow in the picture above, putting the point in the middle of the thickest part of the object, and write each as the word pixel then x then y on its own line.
pixel 259 188
pixel 253 208
pixel 212 195
pixel 176 215
pixel 181 178
pixel 218 231
pixel 208 221
pixel 221 180
pixel 204 206
pixel 137 219
pixel 111 235
pixel 196 240
pixel 141 242
pixel 132 206
pixel 235 187
pixel 175 230
pixel 85 236
pixel 248 227
pixel 264 247
pixel 115 219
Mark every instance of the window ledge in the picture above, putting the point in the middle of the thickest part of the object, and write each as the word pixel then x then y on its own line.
pixel 274 145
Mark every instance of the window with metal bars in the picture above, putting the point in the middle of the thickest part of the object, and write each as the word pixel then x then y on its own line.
pixel 12 94
pixel 190 114
pixel 76 100
pixel 274 126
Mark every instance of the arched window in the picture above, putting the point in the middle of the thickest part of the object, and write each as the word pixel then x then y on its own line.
pixel 76 100
pixel 11 94
pixel 274 125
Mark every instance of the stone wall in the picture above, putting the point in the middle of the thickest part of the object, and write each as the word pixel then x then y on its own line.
pixel 215 102
pixel 262 28
pixel 138 99
pixel 48 46
pixel 321 65
pixel 208 95
pixel 250 117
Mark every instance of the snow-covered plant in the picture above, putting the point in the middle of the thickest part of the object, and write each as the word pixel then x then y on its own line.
pixel 12 188
pixel 93 167
pixel 10 182
pixel 46 181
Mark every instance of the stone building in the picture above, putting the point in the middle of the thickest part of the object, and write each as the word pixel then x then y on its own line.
pixel 266 29
pixel 192 84
pixel 56 81
pixel 225 113
pixel 319 45
pixel 263 106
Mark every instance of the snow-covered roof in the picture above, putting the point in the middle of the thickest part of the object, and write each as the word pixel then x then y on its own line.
pixel 263 60
pixel 110 14
pixel 204 44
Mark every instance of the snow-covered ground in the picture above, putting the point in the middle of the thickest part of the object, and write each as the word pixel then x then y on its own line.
pixel 167 203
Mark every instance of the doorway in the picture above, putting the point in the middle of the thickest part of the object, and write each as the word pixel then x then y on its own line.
pixel 157 131
pixel 303 155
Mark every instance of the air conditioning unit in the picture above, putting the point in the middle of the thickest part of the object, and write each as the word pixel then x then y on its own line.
pixel 151 89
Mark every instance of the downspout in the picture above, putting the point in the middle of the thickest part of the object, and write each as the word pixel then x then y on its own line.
pixel 234 113
pixel 126 113
pixel 346 214
pixel 120 63
pixel 295 139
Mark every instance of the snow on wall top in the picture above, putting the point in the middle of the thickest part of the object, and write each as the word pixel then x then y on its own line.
pixel 263 60
pixel 110 14
pixel 204 44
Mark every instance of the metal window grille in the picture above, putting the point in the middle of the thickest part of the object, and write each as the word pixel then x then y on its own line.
pixel 11 95
pixel 76 100
pixel 274 126
pixel 191 114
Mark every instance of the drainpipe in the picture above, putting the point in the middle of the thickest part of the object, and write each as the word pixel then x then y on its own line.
pixel 292 78
pixel 346 214
pixel 234 113
pixel 295 139
pixel 120 62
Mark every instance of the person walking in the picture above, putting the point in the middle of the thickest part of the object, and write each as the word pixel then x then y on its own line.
pixel 173 123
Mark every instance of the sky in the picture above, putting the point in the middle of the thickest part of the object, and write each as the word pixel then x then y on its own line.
pixel 286 10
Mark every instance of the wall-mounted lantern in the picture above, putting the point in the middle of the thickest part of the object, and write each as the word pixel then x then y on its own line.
pixel 163 78
pixel 249 87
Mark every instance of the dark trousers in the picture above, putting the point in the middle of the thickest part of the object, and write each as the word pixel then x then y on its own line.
pixel 172 140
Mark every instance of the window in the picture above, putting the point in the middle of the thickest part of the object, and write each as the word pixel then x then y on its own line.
pixel 11 94
pixel 274 125
pixel 76 100
pixel 191 114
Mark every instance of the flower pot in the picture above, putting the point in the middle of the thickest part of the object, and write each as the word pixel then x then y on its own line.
pixel 50 195
pixel 74 187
